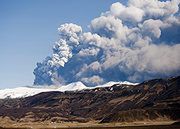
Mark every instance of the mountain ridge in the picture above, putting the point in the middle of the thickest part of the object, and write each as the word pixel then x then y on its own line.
pixel 157 99
pixel 21 92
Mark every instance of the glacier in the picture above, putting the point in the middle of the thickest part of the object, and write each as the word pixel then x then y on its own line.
pixel 26 91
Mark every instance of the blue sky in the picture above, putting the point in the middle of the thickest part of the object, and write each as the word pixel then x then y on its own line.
pixel 28 30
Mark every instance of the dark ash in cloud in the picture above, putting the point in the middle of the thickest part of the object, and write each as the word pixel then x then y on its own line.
pixel 134 42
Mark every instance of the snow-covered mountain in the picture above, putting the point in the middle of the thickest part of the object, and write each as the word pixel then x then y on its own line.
pixel 21 92
pixel 112 83
pixel 152 100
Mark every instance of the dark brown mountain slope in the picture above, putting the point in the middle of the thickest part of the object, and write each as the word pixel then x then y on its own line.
pixel 154 99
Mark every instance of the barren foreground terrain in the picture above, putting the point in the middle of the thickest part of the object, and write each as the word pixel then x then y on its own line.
pixel 125 127
pixel 91 125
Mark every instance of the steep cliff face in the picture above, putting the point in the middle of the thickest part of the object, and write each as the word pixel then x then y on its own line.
pixel 154 99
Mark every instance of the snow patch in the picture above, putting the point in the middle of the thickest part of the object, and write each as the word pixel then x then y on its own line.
pixel 21 92
pixel 73 86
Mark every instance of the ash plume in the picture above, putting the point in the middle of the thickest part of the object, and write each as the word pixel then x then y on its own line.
pixel 137 41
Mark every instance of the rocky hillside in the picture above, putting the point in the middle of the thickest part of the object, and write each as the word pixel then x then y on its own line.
pixel 150 100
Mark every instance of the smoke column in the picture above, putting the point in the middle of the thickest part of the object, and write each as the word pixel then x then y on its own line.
pixel 133 42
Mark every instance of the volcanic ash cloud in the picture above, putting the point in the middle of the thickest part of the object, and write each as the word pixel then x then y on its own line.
pixel 134 42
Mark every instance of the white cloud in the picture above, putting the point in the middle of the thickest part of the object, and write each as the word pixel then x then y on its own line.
pixel 117 8
pixel 130 13
pixel 70 32
pixel 152 27
pixel 94 80
pixel 155 8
